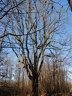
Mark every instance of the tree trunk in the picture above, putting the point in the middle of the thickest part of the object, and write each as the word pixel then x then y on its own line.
pixel 35 85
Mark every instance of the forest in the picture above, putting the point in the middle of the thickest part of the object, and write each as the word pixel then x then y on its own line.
pixel 35 48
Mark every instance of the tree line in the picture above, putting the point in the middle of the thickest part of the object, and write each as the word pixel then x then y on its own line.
pixel 53 80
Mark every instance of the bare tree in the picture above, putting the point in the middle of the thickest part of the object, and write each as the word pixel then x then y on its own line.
pixel 7 5
pixel 53 78
pixel 34 34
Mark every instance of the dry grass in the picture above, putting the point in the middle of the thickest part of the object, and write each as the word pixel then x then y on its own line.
pixel 60 94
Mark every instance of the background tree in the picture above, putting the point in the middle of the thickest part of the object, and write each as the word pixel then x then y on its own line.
pixel 53 79
pixel 70 4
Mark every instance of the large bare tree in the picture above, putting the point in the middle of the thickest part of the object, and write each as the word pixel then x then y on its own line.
pixel 33 34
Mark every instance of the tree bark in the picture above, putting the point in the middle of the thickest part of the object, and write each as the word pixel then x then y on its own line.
pixel 35 85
